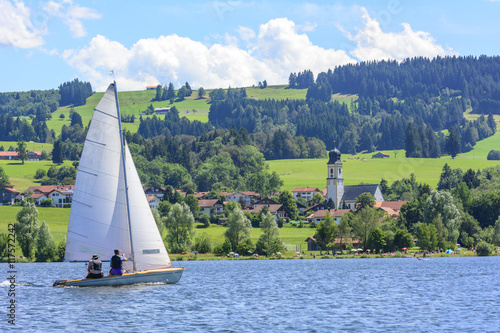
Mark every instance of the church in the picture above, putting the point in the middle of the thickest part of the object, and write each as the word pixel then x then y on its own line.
pixel 344 196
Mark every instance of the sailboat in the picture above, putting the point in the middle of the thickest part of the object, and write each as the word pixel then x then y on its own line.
pixel 109 208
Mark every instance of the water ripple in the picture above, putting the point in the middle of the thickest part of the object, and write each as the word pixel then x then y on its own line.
pixel 351 295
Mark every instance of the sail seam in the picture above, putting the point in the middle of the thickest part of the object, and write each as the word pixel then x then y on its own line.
pixel 97 143
pixel 107 114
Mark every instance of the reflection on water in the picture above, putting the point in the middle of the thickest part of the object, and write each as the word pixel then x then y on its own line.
pixel 358 295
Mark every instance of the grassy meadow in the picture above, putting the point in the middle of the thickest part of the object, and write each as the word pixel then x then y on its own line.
pixel 361 168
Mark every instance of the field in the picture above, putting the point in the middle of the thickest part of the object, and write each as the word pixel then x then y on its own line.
pixel 361 168
pixel 22 175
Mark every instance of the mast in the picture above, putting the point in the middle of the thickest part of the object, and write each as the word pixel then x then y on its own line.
pixel 125 175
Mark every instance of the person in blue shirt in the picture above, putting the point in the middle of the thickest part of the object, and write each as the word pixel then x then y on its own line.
pixel 116 263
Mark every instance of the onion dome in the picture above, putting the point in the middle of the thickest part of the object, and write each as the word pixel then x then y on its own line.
pixel 334 155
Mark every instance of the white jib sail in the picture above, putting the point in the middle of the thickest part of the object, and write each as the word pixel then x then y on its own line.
pixel 98 220
pixel 149 250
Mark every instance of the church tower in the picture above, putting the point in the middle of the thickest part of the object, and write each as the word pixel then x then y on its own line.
pixel 335 180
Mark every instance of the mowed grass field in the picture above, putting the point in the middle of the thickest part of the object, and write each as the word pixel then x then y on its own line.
pixel 22 176
pixel 361 168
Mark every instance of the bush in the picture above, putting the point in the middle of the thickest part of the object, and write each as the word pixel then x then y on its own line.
pixel 47 203
pixel 494 155
pixel 40 173
pixel 483 249
pixel 202 243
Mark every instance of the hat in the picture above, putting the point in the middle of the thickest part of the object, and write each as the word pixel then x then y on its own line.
pixel 95 256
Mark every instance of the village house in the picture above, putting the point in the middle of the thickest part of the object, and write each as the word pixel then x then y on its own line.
pixel 153 202
pixel 305 193
pixel 207 206
pixel 61 195
pixel 319 215
pixel 316 207
pixel 277 210
pixel 380 155
pixel 61 198
pixel 151 87
pixel 14 156
pixel 392 208
pixel 156 191
pixel 244 198
pixel 160 111
pixel 8 194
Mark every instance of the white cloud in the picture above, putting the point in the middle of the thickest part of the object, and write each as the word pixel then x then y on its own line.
pixel 16 28
pixel 285 51
pixel 374 44
pixel 246 33
pixel 308 27
pixel 71 15
pixel 277 52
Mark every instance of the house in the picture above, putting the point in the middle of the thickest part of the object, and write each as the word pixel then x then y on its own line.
pixel 305 193
pixel 8 194
pixel 244 198
pixel 277 210
pixel 8 155
pixel 319 215
pixel 200 195
pixel 265 201
pixel 151 87
pixel 61 197
pixel 38 197
pixel 316 207
pixel 156 191
pixel 153 202
pixel 160 111
pixel 380 155
pixel 390 207
pixel 312 243
pixel 300 206
pixel 209 205
pixel 46 189
pixel 13 155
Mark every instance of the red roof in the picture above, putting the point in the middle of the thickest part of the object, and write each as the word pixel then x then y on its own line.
pixel 8 153
pixel 333 213
pixel 306 189
pixel 11 189
pixel 272 208
pixel 395 205
pixel 206 203
pixel 46 189
pixel 37 195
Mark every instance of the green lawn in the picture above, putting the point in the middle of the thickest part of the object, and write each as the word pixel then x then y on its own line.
pixel 22 175
pixel 56 218
pixel 361 168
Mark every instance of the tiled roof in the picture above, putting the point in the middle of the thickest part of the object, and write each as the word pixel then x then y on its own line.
pixel 395 205
pixel 306 189
pixel 206 203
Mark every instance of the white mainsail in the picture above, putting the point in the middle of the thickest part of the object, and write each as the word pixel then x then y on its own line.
pixel 99 218
pixel 149 250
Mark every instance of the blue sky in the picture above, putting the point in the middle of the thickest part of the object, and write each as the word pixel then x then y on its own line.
pixel 226 43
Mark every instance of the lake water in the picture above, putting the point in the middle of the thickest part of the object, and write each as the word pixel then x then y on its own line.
pixel 322 295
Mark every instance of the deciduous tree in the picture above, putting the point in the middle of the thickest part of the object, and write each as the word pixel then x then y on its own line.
pixel 26 228
pixel 180 226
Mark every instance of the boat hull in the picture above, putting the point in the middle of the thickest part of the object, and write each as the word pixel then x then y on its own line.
pixel 167 276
